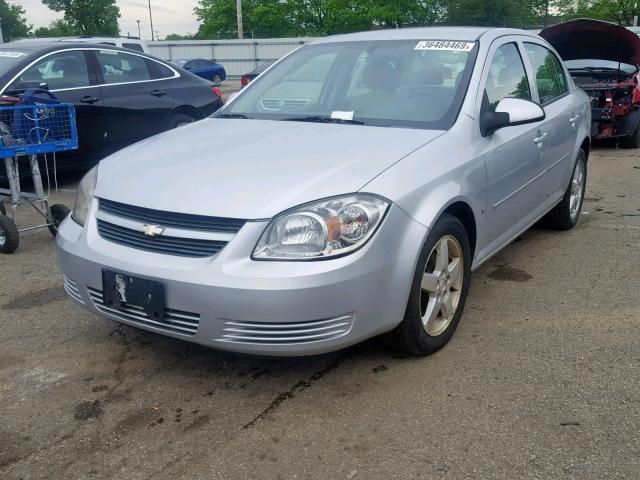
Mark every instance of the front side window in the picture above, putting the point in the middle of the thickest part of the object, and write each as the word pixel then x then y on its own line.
pixel 118 67
pixel 399 83
pixel 507 77
pixel 60 70
pixel 550 79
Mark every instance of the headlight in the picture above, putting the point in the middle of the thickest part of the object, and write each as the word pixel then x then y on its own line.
pixel 84 196
pixel 322 229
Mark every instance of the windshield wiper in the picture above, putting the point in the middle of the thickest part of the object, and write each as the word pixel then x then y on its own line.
pixel 234 115
pixel 321 119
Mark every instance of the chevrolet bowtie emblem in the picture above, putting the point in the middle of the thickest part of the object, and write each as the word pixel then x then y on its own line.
pixel 152 230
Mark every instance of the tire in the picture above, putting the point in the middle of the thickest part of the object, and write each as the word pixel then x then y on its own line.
pixel 633 140
pixel 217 80
pixel 179 119
pixel 414 336
pixel 565 215
pixel 9 236
pixel 58 214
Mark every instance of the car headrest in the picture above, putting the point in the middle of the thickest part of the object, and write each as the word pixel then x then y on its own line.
pixel 381 73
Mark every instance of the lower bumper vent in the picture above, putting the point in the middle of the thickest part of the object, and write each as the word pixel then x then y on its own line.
pixel 286 333
pixel 72 289
pixel 175 321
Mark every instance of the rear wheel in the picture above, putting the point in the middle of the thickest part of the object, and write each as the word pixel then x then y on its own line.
pixel 9 236
pixel 179 119
pixel 633 140
pixel 58 214
pixel 439 291
pixel 565 215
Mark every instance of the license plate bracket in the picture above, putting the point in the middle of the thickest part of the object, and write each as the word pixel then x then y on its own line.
pixel 120 290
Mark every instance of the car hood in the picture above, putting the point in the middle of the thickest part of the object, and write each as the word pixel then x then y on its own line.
pixel 251 169
pixel 593 39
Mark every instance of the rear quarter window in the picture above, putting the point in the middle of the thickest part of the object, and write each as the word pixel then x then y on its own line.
pixel 158 71
pixel 133 46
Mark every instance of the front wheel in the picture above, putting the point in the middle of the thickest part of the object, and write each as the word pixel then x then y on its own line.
pixel 58 214
pixel 438 292
pixel 565 215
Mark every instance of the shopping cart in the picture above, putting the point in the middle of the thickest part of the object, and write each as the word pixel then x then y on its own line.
pixel 37 123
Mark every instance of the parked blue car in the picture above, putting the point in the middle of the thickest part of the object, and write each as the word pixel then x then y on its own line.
pixel 207 69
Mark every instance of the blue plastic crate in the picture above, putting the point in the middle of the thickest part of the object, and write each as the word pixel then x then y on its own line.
pixel 34 129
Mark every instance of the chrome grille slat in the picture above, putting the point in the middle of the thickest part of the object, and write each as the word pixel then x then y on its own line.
pixel 172 219
pixel 286 333
pixel 72 289
pixel 175 321
pixel 161 244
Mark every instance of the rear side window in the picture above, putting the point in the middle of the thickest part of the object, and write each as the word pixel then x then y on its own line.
pixel 550 79
pixel 133 46
pixel 118 67
pixel 60 70
pixel 507 77
pixel 158 71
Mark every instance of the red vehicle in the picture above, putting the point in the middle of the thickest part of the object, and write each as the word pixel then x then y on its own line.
pixel 603 59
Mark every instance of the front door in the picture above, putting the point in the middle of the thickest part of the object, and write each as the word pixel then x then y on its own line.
pixel 515 156
pixel 71 80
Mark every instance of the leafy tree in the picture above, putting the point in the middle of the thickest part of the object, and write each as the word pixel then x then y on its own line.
pixel 495 13
pixel 175 36
pixel 620 11
pixel 402 12
pixel 88 17
pixel 14 24
pixel 57 28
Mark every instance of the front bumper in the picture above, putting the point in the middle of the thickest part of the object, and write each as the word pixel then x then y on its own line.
pixel 233 303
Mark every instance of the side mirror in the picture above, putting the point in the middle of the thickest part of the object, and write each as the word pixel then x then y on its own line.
pixel 20 87
pixel 510 112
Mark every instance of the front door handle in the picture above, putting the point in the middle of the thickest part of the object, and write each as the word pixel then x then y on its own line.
pixel 89 99
pixel 540 138
pixel 158 93
pixel 574 119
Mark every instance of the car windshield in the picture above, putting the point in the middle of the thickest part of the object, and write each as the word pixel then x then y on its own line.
pixel 382 83
pixel 9 58
pixel 604 65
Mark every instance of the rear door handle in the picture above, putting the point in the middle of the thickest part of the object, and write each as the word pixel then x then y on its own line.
pixel 158 93
pixel 538 140
pixel 89 99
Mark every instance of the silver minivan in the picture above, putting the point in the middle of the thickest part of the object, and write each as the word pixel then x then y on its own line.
pixel 348 192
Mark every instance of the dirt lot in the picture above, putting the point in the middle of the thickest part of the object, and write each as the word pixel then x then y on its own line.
pixel 540 381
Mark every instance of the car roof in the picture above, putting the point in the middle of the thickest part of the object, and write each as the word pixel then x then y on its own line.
pixel 36 44
pixel 469 34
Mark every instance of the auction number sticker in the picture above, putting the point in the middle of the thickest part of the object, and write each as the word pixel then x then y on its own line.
pixel 11 54
pixel 446 45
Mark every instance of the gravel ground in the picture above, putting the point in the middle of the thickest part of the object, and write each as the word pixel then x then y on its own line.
pixel 539 382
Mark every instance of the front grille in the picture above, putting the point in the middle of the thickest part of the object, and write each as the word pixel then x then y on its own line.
pixel 286 333
pixel 72 289
pixel 175 321
pixel 171 219
pixel 279 104
pixel 183 247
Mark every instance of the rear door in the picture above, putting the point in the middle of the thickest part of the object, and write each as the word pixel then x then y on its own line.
pixel 515 155
pixel 71 79
pixel 138 102
pixel 562 115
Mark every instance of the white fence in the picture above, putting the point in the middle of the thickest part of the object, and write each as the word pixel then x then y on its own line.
pixel 237 56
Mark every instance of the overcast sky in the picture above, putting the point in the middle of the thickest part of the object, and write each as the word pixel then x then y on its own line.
pixel 169 16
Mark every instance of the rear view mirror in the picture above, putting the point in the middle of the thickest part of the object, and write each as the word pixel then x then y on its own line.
pixel 510 112
pixel 20 87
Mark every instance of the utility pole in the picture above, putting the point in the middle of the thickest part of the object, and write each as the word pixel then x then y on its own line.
pixel 139 29
pixel 151 21
pixel 239 17
pixel 1 37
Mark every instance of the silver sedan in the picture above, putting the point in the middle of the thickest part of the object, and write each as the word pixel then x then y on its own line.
pixel 348 192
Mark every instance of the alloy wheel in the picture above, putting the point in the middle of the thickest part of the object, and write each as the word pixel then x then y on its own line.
pixel 577 189
pixel 441 285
